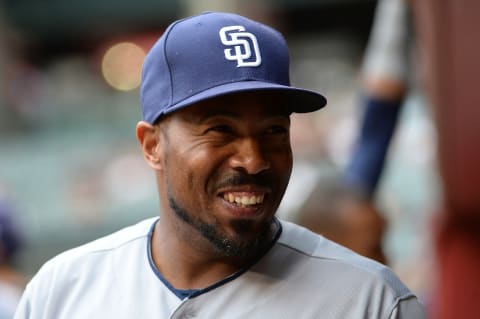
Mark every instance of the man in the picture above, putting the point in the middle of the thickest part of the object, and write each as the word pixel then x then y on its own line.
pixel 216 101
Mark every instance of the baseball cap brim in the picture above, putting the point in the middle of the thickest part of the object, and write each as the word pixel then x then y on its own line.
pixel 298 100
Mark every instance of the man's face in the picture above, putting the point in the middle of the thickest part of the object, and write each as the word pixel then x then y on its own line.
pixel 226 166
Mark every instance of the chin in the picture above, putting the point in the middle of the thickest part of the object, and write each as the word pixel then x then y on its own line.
pixel 249 238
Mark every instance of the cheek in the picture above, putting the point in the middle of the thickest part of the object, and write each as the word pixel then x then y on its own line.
pixel 285 169
pixel 190 172
pixel 282 159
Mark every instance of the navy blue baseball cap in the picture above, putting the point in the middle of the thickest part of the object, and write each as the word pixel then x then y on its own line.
pixel 214 54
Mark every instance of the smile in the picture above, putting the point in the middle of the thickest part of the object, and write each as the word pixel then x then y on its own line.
pixel 244 200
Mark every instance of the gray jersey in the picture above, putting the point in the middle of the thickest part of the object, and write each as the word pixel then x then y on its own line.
pixel 302 276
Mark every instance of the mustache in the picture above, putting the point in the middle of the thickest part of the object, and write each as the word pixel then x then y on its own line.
pixel 239 179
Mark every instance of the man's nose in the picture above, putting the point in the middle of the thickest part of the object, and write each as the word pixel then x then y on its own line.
pixel 249 157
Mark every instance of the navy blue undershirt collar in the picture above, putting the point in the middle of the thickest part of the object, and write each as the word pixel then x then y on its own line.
pixel 191 293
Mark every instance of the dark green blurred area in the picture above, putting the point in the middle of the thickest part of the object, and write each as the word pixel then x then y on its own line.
pixel 68 153
pixel 63 19
pixel 50 19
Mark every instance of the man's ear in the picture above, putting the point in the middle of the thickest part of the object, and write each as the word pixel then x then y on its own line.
pixel 149 139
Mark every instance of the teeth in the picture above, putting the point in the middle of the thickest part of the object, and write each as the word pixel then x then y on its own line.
pixel 243 200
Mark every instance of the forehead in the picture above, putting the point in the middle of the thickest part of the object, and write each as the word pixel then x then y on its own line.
pixel 249 104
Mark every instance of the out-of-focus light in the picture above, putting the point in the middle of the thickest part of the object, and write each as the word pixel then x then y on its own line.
pixel 122 66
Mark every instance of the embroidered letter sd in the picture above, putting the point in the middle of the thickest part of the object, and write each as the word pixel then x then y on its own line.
pixel 241 46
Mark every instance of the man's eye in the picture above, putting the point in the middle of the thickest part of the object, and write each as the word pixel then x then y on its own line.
pixel 277 129
pixel 220 129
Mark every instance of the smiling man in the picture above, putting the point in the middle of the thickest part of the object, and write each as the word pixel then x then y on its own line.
pixel 216 101
pixel 222 166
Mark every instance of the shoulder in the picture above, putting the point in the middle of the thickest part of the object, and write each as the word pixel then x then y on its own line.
pixel 96 254
pixel 114 241
pixel 327 262
pixel 304 275
pixel 79 280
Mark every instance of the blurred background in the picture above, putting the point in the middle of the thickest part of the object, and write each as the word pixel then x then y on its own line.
pixel 70 166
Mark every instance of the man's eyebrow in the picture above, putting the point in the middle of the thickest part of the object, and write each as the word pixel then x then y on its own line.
pixel 236 115
pixel 221 112
pixel 212 113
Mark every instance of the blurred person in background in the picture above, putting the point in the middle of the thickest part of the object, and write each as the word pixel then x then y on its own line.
pixel 346 203
pixel 216 101
pixel 11 281
pixel 327 210
pixel 386 80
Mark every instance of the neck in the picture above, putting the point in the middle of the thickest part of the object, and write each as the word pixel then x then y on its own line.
pixel 194 266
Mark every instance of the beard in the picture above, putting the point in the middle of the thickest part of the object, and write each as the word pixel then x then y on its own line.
pixel 244 247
